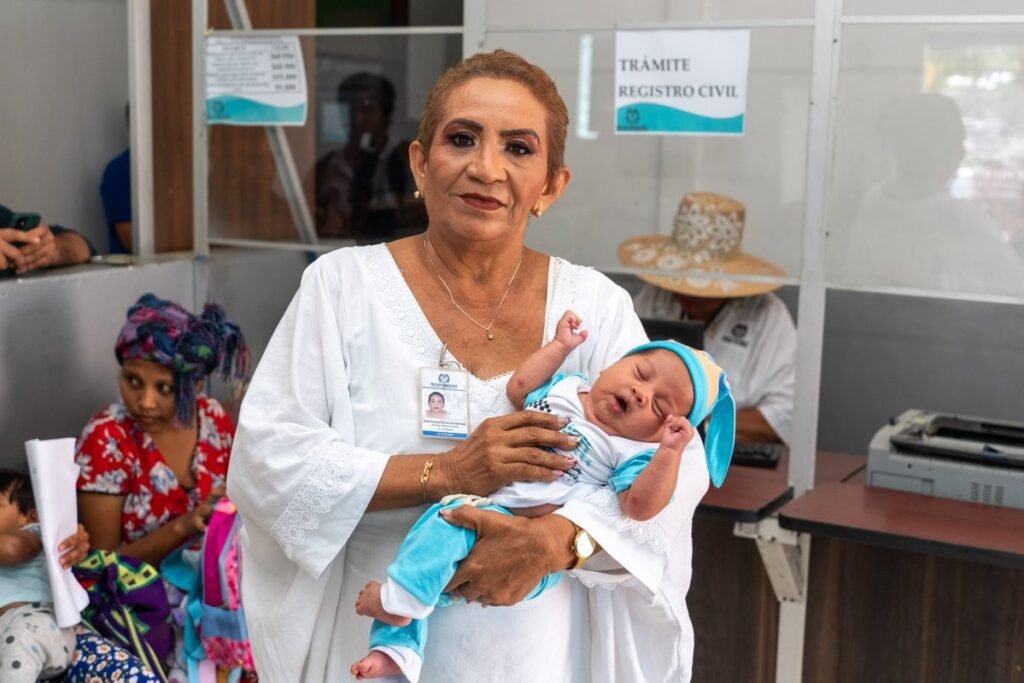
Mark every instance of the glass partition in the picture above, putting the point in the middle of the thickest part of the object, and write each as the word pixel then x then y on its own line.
pixel 925 217
pixel 928 189
pixel 639 207
pixel 365 97
pixel 629 186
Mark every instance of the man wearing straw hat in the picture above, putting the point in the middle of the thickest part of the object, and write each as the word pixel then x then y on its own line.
pixel 748 329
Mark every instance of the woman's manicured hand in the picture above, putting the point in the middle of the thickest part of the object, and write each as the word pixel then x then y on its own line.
pixel 511 555
pixel 506 449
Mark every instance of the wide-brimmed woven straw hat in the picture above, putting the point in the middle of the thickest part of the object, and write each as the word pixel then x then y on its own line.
pixel 706 236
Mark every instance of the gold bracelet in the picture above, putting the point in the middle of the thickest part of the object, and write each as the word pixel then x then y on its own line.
pixel 425 477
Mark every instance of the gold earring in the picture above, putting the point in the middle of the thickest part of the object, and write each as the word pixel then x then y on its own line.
pixel 538 213
pixel 416 194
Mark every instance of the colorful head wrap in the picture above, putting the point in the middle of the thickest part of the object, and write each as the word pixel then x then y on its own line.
pixel 191 346
pixel 712 400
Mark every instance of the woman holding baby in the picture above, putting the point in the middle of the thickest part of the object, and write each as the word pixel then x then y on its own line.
pixel 334 462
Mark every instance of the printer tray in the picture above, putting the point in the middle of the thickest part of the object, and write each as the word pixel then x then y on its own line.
pixel 993 443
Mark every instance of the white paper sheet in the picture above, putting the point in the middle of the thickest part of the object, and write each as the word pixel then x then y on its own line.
pixel 54 473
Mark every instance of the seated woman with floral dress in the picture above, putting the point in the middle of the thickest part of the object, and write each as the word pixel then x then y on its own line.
pixel 154 463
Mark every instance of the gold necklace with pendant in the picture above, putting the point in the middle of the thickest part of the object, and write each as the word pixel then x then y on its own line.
pixel 485 328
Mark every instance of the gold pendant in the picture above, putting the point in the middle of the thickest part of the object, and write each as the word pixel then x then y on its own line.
pixel 490 336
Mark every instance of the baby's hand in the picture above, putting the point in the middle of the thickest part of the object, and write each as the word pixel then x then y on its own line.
pixel 678 432
pixel 568 332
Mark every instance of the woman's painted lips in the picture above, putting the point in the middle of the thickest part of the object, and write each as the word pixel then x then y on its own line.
pixel 480 202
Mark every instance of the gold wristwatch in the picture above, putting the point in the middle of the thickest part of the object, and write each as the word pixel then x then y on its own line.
pixel 583 545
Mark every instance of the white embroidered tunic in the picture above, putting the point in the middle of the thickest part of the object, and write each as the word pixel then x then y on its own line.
pixel 334 395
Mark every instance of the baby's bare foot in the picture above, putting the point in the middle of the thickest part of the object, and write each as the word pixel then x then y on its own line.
pixel 368 604
pixel 375 665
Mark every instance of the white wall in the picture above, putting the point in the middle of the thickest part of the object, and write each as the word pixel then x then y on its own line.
pixel 64 72
pixel 57 334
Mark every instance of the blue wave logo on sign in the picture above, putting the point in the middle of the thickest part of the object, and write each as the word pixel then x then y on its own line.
pixel 646 117
pixel 231 109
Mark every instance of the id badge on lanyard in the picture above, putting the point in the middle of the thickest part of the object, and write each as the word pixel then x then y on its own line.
pixel 444 400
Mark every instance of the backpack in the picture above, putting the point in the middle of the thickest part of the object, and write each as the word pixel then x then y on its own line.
pixel 222 629
pixel 127 605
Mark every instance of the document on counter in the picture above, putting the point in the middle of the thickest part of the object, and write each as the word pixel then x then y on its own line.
pixel 54 473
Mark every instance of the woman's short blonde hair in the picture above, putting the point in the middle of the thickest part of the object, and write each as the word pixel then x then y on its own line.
pixel 508 66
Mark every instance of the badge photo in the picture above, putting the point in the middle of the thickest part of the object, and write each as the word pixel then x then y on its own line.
pixel 443 401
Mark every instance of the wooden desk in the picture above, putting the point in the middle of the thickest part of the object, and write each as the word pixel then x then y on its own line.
pixel 731 602
pixel 749 494
pixel 905 587
pixel 831 466
pixel 910 521
pixel 752 493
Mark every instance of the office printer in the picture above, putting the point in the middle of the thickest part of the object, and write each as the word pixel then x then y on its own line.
pixel 953 456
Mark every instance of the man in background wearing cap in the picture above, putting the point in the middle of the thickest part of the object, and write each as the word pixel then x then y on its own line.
pixel 748 330
pixel 44 246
